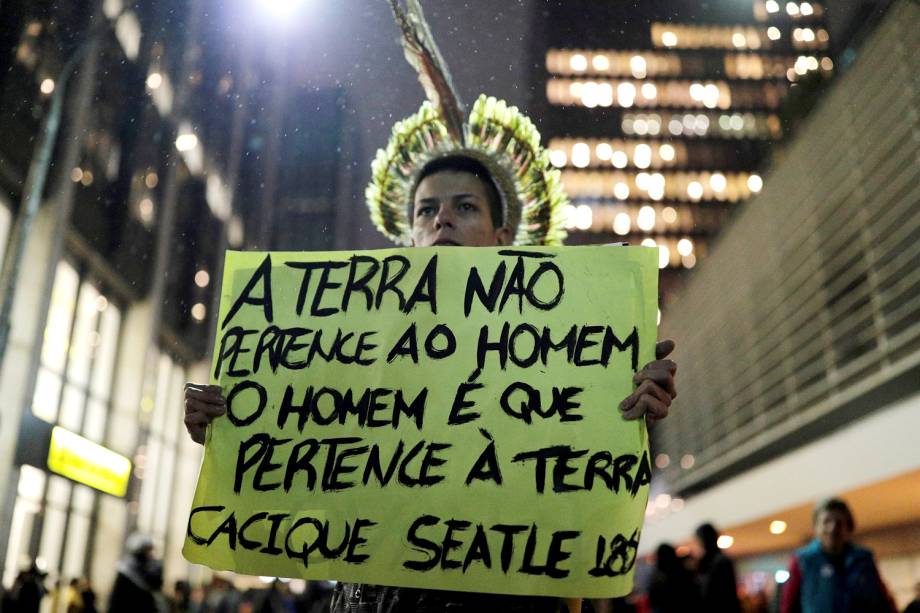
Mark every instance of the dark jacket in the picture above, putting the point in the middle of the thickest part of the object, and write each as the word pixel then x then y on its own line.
pixel 819 583
pixel 673 592
pixel 28 591
pixel 355 598
pixel 718 588
pixel 131 592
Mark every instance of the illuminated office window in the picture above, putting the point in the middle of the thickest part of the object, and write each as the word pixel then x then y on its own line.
pixel 750 66
pixel 614 63
pixel 657 94
pixel 78 355
pixel 157 459
pixel 679 186
pixel 600 153
pixel 72 389
pixel 690 36
pixel 29 493
pixel 705 124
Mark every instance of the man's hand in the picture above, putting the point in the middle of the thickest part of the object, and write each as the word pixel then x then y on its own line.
pixel 654 387
pixel 202 404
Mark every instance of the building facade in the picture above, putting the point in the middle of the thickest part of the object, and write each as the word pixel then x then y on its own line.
pixel 163 160
pixel 799 342
pixel 660 116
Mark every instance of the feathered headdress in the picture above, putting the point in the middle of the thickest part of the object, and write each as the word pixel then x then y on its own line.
pixel 497 135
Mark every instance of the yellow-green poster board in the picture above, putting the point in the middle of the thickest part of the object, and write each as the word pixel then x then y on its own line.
pixel 435 418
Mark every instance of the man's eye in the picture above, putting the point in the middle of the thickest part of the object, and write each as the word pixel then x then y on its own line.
pixel 468 206
pixel 424 211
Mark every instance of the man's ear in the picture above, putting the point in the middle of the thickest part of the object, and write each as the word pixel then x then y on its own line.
pixel 503 236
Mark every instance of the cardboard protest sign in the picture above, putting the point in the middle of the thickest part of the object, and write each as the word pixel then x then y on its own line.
pixel 437 418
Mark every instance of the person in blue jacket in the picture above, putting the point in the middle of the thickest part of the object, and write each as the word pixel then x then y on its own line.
pixel 832 574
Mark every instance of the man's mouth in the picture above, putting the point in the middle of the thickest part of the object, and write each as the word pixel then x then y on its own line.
pixel 445 242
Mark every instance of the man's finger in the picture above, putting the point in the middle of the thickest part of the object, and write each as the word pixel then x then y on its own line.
pixel 201 387
pixel 664 378
pixel 197 419
pixel 197 433
pixel 669 365
pixel 210 410
pixel 647 405
pixel 663 349
pixel 209 396
pixel 646 388
pixel 651 388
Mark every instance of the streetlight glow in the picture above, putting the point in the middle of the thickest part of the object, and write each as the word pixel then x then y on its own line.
pixel 777 526
pixel 186 142
pixel 725 541
pixel 202 278
pixel 154 80
pixel 199 311
pixel 281 8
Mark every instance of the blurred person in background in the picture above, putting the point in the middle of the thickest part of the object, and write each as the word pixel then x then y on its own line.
pixel 831 574
pixel 316 597
pixel 88 596
pixel 671 588
pixel 28 590
pixel 163 603
pixel 715 574
pixel 182 597
pixel 221 596
pixel 135 583
pixel 757 602
pixel 272 599
pixel 73 598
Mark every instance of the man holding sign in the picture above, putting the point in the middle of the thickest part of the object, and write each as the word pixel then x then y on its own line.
pixel 453 429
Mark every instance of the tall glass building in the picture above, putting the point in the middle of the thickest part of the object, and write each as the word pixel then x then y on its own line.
pixel 661 115
pixel 797 335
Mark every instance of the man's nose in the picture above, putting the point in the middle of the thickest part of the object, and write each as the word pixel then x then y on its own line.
pixel 445 217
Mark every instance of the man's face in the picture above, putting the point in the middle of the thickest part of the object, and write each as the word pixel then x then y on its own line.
pixel 833 530
pixel 452 208
pixel 697 550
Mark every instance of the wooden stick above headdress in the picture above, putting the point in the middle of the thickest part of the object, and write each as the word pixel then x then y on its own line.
pixel 423 55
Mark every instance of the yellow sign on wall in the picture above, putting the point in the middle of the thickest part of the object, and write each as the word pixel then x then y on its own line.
pixel 89 463
pixel 435 418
